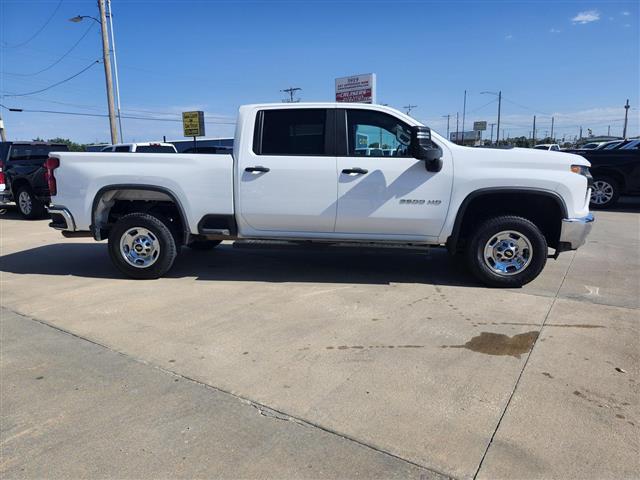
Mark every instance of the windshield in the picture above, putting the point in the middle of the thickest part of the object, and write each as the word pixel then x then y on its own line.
pixel 34 152
pixel 155 149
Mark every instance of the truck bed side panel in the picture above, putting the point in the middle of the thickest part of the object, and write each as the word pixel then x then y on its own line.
pixel 202 184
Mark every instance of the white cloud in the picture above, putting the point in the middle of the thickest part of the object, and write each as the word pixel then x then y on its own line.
pixel 626 14
pixel 508 37
pixel 587 16
pixel 554 30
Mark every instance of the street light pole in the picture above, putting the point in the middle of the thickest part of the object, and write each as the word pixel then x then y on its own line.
pixel 107 71
pixel 499 105
pixel 448 116
pixel 626 118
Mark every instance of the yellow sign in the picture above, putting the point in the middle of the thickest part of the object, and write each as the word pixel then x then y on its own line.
pixel 193 124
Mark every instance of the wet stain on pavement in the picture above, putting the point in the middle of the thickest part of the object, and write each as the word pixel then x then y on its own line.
pixel 498 344
pixel 547 374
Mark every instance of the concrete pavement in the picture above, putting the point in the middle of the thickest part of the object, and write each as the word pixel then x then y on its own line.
pixel 399 351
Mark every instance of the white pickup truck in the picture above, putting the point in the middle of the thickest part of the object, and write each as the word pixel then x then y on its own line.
pixel 329 172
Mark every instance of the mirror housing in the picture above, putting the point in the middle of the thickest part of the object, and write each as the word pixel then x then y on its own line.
pixel 423 148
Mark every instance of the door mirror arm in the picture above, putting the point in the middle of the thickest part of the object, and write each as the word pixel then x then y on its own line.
pixel 423 148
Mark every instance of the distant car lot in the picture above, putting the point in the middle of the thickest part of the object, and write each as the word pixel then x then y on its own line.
pixel 407 363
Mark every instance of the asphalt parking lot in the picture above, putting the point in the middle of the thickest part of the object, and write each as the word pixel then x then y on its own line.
pixel 336 362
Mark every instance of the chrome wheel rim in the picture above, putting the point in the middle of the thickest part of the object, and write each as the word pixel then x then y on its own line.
pixel 601 193
pixel 24 201
pixel 508 253
pixel 139 247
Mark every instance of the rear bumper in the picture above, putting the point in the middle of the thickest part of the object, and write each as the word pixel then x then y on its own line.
pixel 5 197
pixel 574 231
pixel 61 219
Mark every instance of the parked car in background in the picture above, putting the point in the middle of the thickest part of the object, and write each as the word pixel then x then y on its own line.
pixel 209 150
pixel 146 147
pixel 23 176
pixel 615 172
pixel 552 147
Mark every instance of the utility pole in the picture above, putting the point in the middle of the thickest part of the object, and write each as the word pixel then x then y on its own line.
pixel 457 127
pixel 492 125
pixel 580 132
pixel 609 131
pixel 115 67
pixel 291 91
pixel 3 136
pixel 534 130
pixel 499 105
pixel 106 59
pixel 626 118
pixel 409 108
pixel 552 120
pixel 464 112
pixel 448 117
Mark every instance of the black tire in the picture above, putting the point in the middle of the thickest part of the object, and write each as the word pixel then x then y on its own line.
pixel 604 193
pixel 203 245
pixel 487 231
pixel 28 205
pixel 159 235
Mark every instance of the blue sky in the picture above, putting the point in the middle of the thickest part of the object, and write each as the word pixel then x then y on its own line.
pixel 576 60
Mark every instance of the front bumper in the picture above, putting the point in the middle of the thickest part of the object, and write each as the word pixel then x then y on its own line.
pixel 574 231
pixel 61 219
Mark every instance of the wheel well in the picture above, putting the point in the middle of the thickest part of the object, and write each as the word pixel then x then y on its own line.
pixel 544 210
pixel 605 172
pixel 15 186
pixel 110 205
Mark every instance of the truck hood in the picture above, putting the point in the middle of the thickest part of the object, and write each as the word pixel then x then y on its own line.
pixel 540 158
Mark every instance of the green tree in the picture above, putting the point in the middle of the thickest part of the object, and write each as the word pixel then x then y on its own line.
pixel 73 146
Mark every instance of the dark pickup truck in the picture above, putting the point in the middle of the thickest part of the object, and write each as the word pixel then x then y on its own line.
pixel 22 174
pixel 615 172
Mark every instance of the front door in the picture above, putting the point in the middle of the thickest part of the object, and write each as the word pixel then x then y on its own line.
pixel 382 191
pixel 287 181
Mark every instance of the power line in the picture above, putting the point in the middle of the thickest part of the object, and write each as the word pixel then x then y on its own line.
pixel 103 115
pixel 55 84
pixel 39 30
pixel 58 60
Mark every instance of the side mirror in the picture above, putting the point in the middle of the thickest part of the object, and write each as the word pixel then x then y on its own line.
pixel 423 148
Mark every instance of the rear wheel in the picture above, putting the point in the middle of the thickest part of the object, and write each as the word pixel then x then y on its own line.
pixel 507 251
pixel 28 205
pixel 142 246
pixel 605 192
pixel 204 244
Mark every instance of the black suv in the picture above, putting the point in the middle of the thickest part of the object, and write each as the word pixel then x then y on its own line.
pixel 22 165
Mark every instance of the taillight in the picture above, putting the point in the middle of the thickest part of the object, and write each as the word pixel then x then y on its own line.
pixel 51 164
pixel 1 179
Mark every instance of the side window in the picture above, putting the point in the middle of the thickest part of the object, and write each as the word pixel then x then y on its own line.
pixel 293 131
pixel 376 134
pixel 121 149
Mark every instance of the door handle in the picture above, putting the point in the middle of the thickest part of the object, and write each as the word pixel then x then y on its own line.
pixel 258 169
pixel 355 170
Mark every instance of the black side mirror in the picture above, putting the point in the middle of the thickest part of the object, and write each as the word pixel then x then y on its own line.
pixel 423 148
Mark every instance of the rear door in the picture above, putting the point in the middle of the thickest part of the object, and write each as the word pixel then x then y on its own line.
pixel 383 192
pixel 287 180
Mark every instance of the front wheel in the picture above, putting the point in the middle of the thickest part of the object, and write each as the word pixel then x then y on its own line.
pixel 507 251
pixel 605 192
pixel 142 246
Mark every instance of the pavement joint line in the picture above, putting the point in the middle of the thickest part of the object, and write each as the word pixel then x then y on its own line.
pixel 524 366
pixel 263 410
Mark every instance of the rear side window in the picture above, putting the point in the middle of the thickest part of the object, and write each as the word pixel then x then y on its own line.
pixel 293 132
pixel 155 149
pixel 21 153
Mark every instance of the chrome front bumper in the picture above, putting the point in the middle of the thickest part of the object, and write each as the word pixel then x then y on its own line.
pixel 61 219
pixel 575 230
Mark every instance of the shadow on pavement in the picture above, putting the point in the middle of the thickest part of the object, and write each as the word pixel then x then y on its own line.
pixel 226 263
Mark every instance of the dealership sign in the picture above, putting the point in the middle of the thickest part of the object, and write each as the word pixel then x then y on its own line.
pixel 356 88
pixel 482 126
